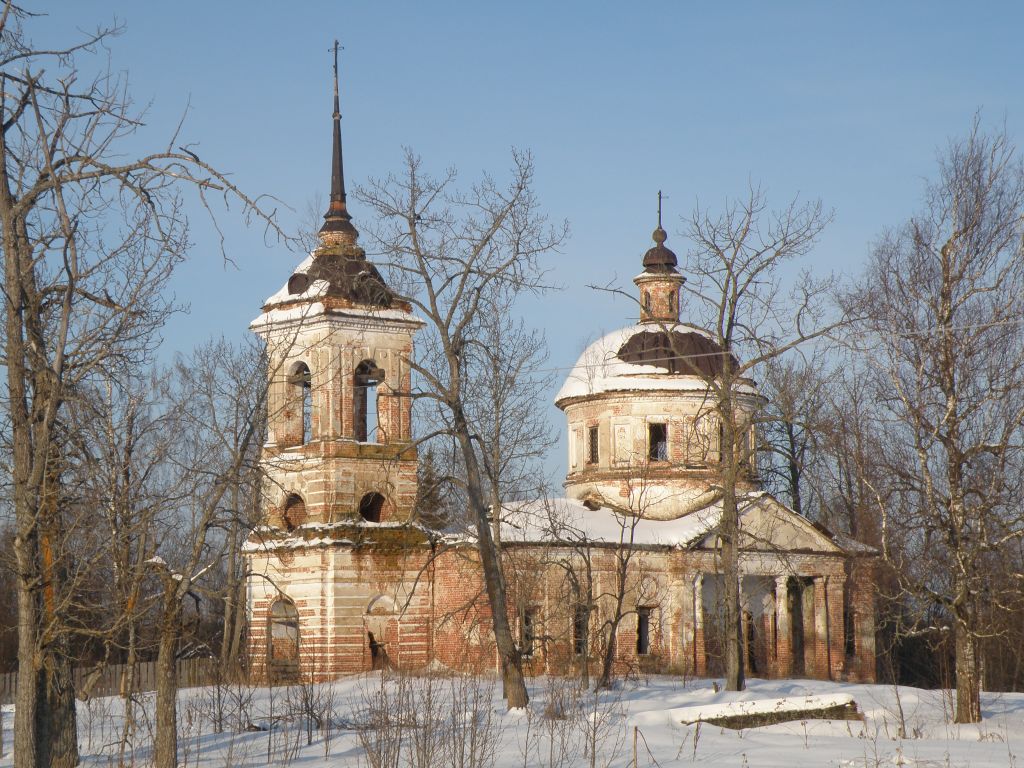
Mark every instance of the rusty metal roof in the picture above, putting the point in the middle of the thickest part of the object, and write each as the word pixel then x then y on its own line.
pixel 348 277
pixel 678 352
pixel 660 258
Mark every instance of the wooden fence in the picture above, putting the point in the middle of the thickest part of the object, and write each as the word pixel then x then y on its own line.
pixel 106 681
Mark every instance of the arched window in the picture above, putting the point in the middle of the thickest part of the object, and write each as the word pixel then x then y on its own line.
pixel 283 639
pixel 647 302
pixel 294 512
pixel 300 399
pixel 364 401
pixel 370 507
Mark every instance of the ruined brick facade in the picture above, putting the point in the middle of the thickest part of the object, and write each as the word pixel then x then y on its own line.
pixel 343 579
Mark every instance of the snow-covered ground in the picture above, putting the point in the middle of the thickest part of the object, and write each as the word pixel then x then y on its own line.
pixel 421 722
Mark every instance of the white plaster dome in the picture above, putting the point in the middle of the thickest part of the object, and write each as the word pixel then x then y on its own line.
pixel 644 356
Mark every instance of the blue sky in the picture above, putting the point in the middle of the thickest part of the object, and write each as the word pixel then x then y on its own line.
pixel 843 102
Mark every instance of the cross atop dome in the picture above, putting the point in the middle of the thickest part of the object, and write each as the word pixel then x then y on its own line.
pixel 659 258
pixel 659 283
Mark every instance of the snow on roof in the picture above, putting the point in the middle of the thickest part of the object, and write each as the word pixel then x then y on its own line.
pixel 316 290
pixel 851 545
pixel 312 292
pixel 300 312
pixel 568 520
pixel 268 538
pixel 599 368
pixel 557 521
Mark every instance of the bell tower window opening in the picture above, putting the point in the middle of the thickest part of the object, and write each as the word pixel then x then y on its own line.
pixel 647 302
pixel 593 454
pixel 364 401
pixel 657 441
pixel 301 383
pixel 370 507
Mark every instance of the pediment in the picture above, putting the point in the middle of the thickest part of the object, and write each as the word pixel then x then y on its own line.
pixel 768 525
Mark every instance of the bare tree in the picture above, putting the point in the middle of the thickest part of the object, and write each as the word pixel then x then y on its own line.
pixel 89 237
pixel 944 296
pixel 218 396
pixel 607 578
pixel 507 382
pixel 460 258
pixel 736 269
pixel 796 391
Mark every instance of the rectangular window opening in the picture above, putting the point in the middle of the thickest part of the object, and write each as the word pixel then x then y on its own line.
pixel 657 442
pixel 643 631
pixel 528 632
pixel 579 630
pixel 592 449
pixel 849 626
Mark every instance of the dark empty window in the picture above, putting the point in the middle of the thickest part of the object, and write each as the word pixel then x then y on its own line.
pixel 364 401
pixel 657 442
pixel 592 450
pixel 579 630
pixel 647 302
pixel 370 507
pixel 643 631
pixel 529 632
pixel 849 626
pixel 301 381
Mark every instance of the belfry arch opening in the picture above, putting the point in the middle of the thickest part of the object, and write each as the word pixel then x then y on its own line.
pixel 300 397
pixel 371 506
pixel 364 401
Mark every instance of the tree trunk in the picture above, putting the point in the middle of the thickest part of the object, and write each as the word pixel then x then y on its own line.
pixel 26 698
pixel 734 674
pixel 730 531
pixel 968 679
pixel 604 682
pixel 165 749
pixel 57 720
pixel 622 566
pixel 26 542
pixel 794 469
pixel 512 665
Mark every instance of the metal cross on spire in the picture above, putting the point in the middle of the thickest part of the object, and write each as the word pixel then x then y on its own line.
pixel 337 109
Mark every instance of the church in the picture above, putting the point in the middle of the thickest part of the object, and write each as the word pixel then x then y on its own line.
pixel 344 577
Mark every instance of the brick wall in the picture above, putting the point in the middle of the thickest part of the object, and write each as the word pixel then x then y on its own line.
pixel 423 610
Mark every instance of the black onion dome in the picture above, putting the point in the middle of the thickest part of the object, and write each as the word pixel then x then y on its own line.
pixel 660 258
pixel 354 279
pixel 679 352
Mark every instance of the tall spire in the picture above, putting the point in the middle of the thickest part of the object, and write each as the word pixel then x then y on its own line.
pixel 337 227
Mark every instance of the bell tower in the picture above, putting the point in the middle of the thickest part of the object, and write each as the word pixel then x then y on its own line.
pixel 339 439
